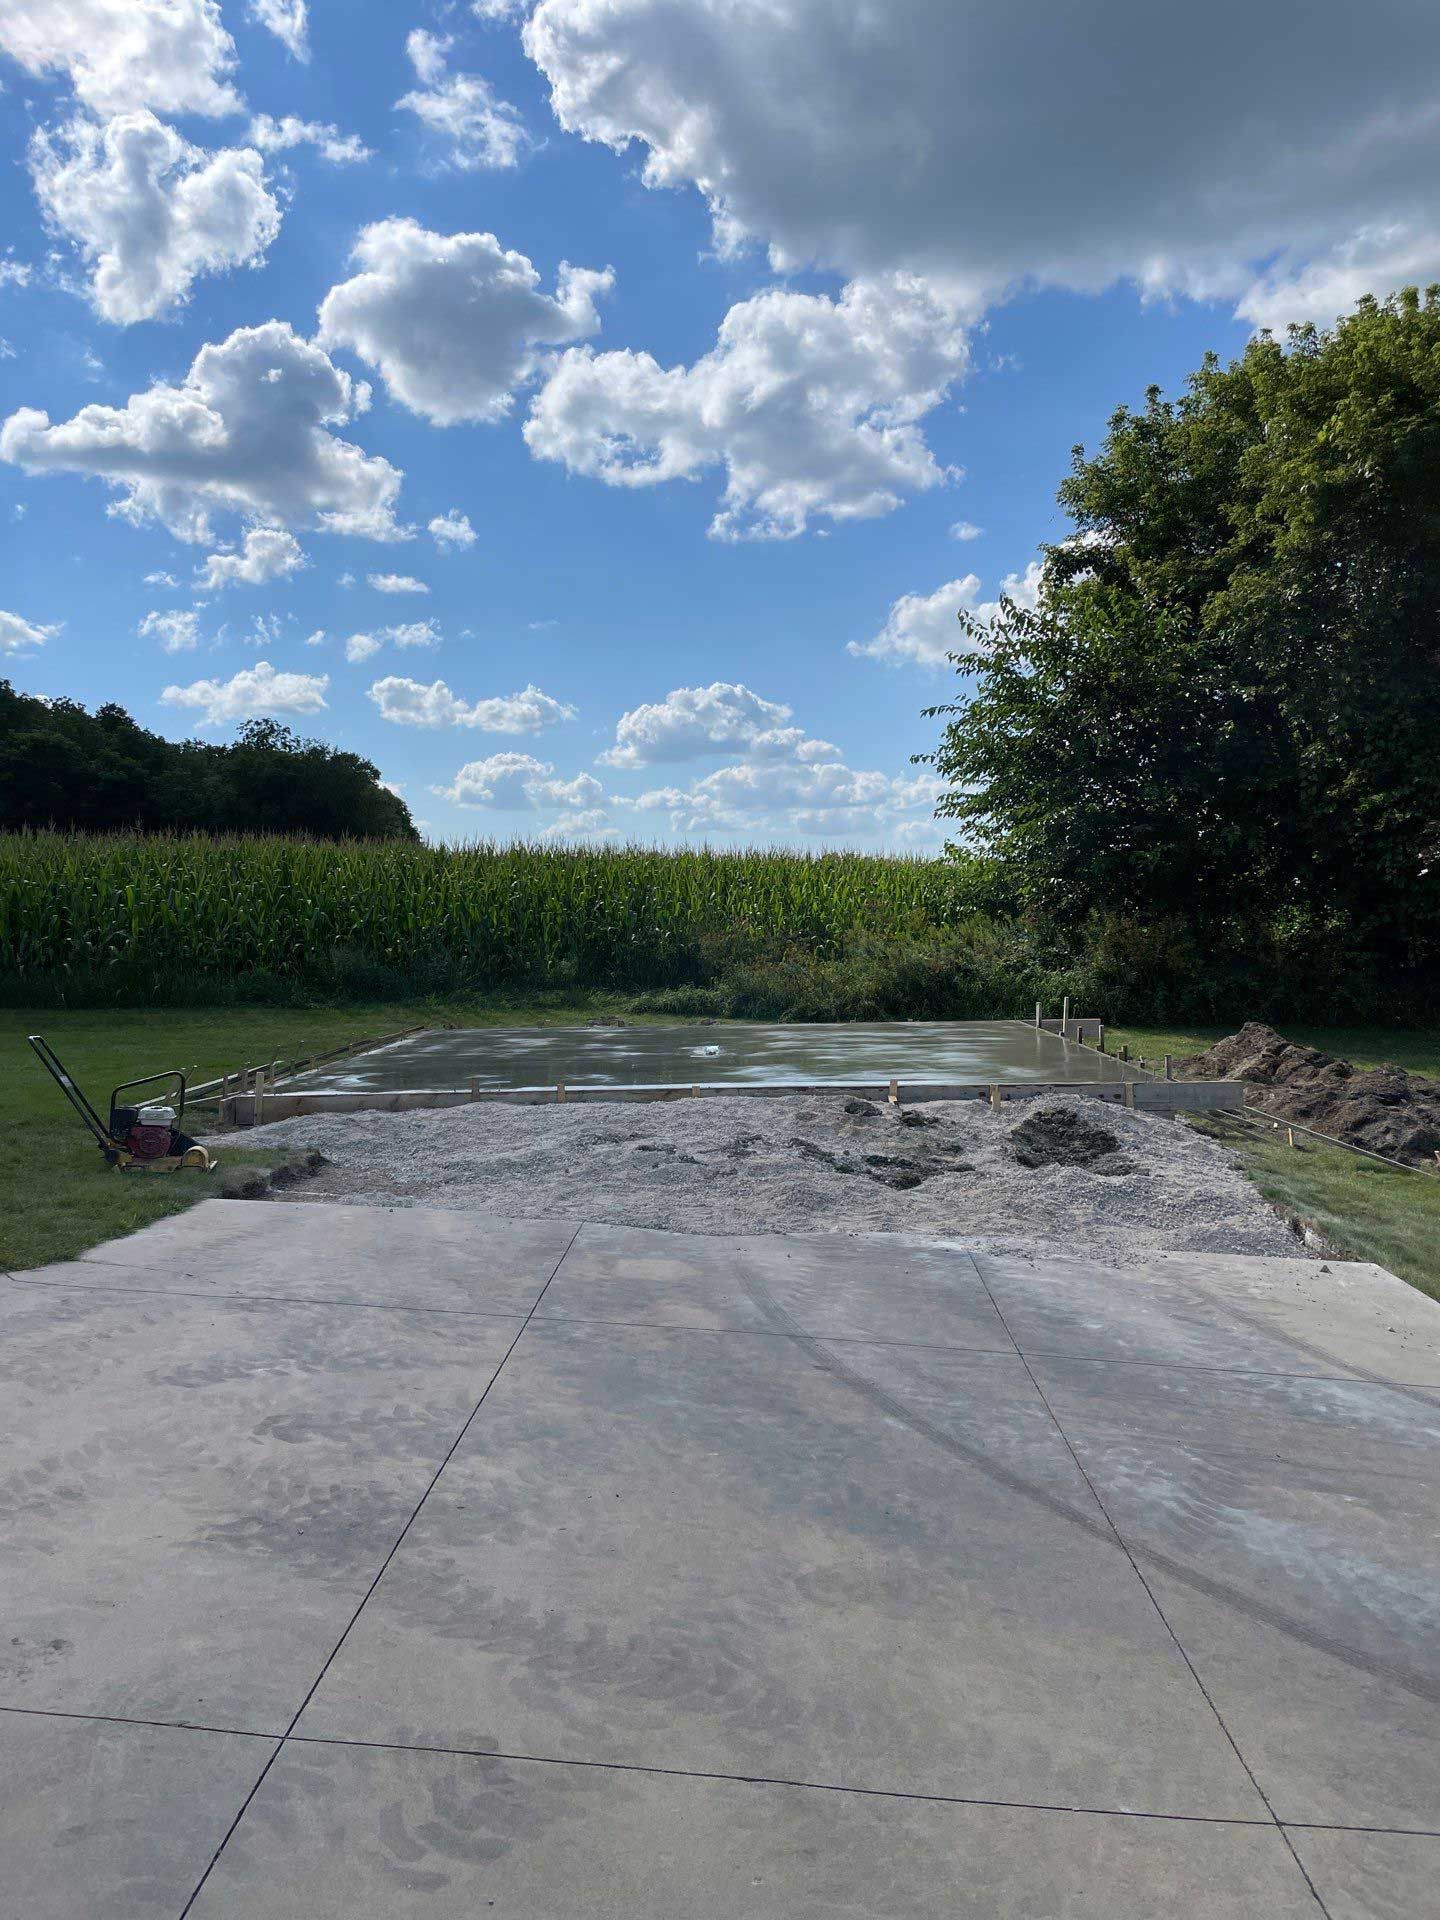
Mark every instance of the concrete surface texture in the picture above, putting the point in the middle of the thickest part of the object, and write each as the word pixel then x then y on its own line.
pixel 417 1564
pixel 801 1164
pixel 732 1053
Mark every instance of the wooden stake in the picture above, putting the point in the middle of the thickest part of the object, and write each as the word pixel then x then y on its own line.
pixel 1065 1017
pixel 475 1086
pixel 1290 1136
pixel 996 1096
pixel 1039 1015
pixel 894 1095
pixel 1100 1037
pixel 1169 1074
pixel 1125 1051
pixel 1128 1095
pixel 560 1092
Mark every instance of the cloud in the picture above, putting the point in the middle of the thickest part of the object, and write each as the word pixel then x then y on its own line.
pixel 454 322
pixel 148 212
pixel 824 799
pixel 590 823
pixel 279 136
pixel 286 19
pixel 317 638
pixel 268 553
pixel 247 432
pixel 396 583
pixel 161 579
pixel 516 782
pixel 17 635
pixel 452 530
pixel 480 129
pixel 812 406
pixel 362 646
pixel 692 721
pixel 923 629
pixel 966 530
pixel 408 703
pixel 264 630
pixel 253 691
pixel 1048 144
pixel 415 633
pixel 177 632
pixel 172 55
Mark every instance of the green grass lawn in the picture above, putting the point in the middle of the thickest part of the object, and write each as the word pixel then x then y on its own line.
pixel 1415 1047
pixel 58 1197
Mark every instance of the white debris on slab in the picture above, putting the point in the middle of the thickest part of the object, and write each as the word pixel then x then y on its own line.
pixel 797 1164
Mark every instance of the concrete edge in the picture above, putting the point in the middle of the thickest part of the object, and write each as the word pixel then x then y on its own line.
pixel 1148 1096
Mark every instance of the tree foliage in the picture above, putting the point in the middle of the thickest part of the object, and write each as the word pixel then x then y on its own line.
pixel 62 766
pixel 1226 703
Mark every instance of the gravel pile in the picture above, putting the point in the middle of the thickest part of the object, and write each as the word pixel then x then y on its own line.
pixel 803 1164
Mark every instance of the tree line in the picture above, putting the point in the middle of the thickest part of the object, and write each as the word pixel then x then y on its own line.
pixel 1223 713
pixel 63 766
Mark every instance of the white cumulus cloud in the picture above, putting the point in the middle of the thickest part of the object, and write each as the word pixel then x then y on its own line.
pixel 479 130
pixel 692 721
pixel 250 693
pixel 147 212
pixel 452 530
pixel 409 703
pixel 279 136
pixel 922 629
pixel 396 583
pixel 516 782
pixel 247 432
pixel 177 632
pixel 362 646
pixel 172 55
pixel 18 635
pixel 267 553
pixel 811 406
pixel 455 323
pixel 287 20
pixel 985 147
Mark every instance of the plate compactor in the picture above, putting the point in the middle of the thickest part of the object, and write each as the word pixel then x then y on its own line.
pixel 142 1136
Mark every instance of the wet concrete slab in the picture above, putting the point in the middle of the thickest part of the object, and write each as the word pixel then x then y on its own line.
pixel 865 1288
pixel 338 1832
pixel 195 1495
pixel 107 1822
pixel 329 1253
pixel 732 1053
pixel 661 1574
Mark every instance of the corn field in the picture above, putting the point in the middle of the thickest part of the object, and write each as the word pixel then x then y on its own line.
pixel 91 908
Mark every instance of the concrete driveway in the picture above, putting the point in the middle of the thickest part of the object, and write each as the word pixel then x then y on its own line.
pixel 398 1564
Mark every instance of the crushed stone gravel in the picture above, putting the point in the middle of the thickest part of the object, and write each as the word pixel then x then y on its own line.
pixel 797 1164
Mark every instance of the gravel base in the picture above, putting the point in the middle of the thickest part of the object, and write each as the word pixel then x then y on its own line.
pixel 798 1164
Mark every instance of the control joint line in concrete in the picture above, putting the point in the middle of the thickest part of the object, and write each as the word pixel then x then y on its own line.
pixel 1153 1597
pixel 399 1542
pixel 736 1779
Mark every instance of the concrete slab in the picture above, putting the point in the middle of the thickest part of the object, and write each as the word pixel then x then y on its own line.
pixel 1372 1876
pixel 396 1256
pixel 1219 1311
pixel 107 1822
pixel 196 1494
pixel 1291 1527
pixel 868 1287
pixel 761 1556
pixel 339 1832
pixel 735 1053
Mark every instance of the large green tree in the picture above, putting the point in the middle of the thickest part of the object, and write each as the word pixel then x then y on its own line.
pixel 62 766
pixel 1226 703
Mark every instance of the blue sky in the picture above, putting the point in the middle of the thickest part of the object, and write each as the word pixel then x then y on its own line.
pixel 599 650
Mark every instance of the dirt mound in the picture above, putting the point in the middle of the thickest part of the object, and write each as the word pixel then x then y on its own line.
pixel 1060 1137
pixel 1384 1108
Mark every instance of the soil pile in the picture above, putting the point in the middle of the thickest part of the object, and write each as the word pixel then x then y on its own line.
pixel 1061 1137
pixel 1385 1108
